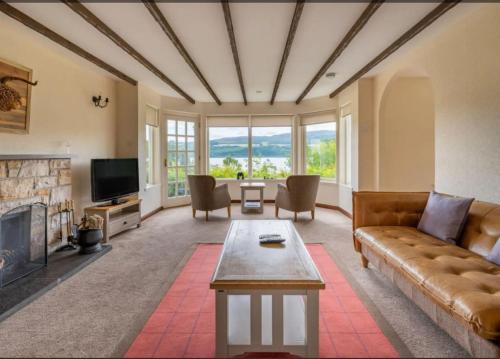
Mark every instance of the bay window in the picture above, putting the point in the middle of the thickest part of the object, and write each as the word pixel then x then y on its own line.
pixel 258 146
pixel 320 145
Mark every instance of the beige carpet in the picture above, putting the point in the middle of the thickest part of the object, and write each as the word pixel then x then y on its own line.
pixel 99 311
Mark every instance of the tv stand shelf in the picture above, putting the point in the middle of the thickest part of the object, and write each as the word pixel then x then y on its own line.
pixel 119 217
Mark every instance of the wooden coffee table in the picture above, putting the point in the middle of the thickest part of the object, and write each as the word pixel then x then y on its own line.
pixel 252 206
pixel 267 296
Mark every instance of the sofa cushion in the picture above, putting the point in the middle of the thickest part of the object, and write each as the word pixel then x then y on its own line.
pixel 460 280
pixel 444 216
pixel 494 255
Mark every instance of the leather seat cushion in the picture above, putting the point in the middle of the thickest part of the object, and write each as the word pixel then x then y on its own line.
pixel 461 280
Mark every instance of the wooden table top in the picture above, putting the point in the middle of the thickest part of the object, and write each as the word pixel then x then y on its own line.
pixel 252 185
pixel 245 263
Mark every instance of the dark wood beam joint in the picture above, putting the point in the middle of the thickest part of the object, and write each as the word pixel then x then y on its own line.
pixel 289 41
pixel 344 43
pixel 234 48
pixel 52 35
pixel 427 20
pixel 93 20
pixel 167 29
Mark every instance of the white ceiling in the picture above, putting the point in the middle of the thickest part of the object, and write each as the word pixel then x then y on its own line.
pixel 260 29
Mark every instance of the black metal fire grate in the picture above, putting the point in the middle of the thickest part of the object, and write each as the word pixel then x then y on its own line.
pixel 23 242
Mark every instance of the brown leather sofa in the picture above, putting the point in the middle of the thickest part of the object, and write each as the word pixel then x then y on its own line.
pixel 206 196
pixel 454 284
pixel 299 194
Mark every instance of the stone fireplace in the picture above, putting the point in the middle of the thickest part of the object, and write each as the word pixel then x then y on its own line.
pixel 28 179
pixel 23 241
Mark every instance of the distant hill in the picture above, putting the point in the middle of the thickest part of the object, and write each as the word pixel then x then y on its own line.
pixel 264 146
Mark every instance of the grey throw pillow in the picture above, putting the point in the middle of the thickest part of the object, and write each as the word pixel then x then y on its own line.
pixel 494 255
pixel 444 216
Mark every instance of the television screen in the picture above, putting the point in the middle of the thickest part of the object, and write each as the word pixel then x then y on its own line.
pixel 114 178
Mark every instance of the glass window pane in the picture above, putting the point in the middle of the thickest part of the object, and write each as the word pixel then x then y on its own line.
pixel 238 319
pixel 181 171
pixel 172 177
pixel 181 189
pixel 171 143
pixel 294 319
pixel 181 159
pixel 190 128
pixel 228 151
pixel 181 143
pixel 271 152
pixel 191 159
pixel 172 159
pixel 171 189
pixel 190 143
pixel 321 149
pixel 190 170
pixel 181 128
pixel 171 127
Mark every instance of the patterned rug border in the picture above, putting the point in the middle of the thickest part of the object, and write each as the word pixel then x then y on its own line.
pixel 383 324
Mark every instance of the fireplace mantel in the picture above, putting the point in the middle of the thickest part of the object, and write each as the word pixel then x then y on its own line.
pixel 34 157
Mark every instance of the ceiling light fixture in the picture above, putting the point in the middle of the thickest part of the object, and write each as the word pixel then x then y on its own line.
pixel 330 75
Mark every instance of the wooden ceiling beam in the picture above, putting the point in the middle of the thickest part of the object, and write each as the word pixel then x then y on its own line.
pixel 93 20
pixel 351 34
pixel 289 41
pixel 427 20
pixel 234 48
pixel 167 29
pixel 52 35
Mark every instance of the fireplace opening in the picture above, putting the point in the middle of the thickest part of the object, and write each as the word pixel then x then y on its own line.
pixel 23 242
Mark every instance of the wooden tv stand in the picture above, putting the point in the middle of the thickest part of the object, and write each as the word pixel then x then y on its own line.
pixel 119 217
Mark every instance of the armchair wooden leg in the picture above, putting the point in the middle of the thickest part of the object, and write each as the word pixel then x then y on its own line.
pixel 229 211
pixel 194 213
pixel 206 215
pixel 276 211
pixel 312 214
pixel 364 261
pixel 295 216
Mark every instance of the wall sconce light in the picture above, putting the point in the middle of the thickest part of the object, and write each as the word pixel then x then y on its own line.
pixel 99 101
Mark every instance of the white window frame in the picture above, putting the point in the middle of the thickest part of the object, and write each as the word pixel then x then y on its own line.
pixel 250 121
pixel 152 121
pixel 345 138
pixel 311 118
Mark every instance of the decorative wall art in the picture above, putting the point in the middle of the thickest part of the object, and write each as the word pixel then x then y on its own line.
pixel 15 94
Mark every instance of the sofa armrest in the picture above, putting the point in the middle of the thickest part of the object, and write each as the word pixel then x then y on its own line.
pixel 387 208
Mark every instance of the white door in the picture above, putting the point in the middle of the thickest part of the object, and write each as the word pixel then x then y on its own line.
pixel 182 158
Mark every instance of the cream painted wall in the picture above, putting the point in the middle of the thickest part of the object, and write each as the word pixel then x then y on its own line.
pixel 406 136
pixel 462 64
pixel 61 108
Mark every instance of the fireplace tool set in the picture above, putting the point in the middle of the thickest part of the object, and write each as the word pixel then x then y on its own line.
pixel 68 210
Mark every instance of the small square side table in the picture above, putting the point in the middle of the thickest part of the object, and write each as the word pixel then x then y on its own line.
pixel 252 206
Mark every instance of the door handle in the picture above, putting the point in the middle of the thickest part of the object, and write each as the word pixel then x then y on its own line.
pixel 165 162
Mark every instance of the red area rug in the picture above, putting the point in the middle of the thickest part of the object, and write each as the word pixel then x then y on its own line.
pixel 183 324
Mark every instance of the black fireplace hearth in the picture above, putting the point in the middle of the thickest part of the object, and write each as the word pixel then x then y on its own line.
pixel 23 242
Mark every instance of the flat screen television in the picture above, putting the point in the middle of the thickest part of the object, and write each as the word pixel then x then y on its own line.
pixel 114 178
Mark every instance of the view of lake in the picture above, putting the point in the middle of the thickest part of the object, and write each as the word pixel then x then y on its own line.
pixel 279 162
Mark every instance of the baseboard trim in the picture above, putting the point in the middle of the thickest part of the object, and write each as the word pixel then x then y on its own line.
pixel 152 213
pixel 320 205
pixel 335 208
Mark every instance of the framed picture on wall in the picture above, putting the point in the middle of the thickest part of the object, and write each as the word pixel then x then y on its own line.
pixel 15 97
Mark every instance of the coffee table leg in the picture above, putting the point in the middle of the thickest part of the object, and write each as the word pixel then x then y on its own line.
pixel 312 320
pixel 221 324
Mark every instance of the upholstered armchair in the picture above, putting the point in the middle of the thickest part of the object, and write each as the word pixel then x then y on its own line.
pixel 299 194
pixel 206 196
